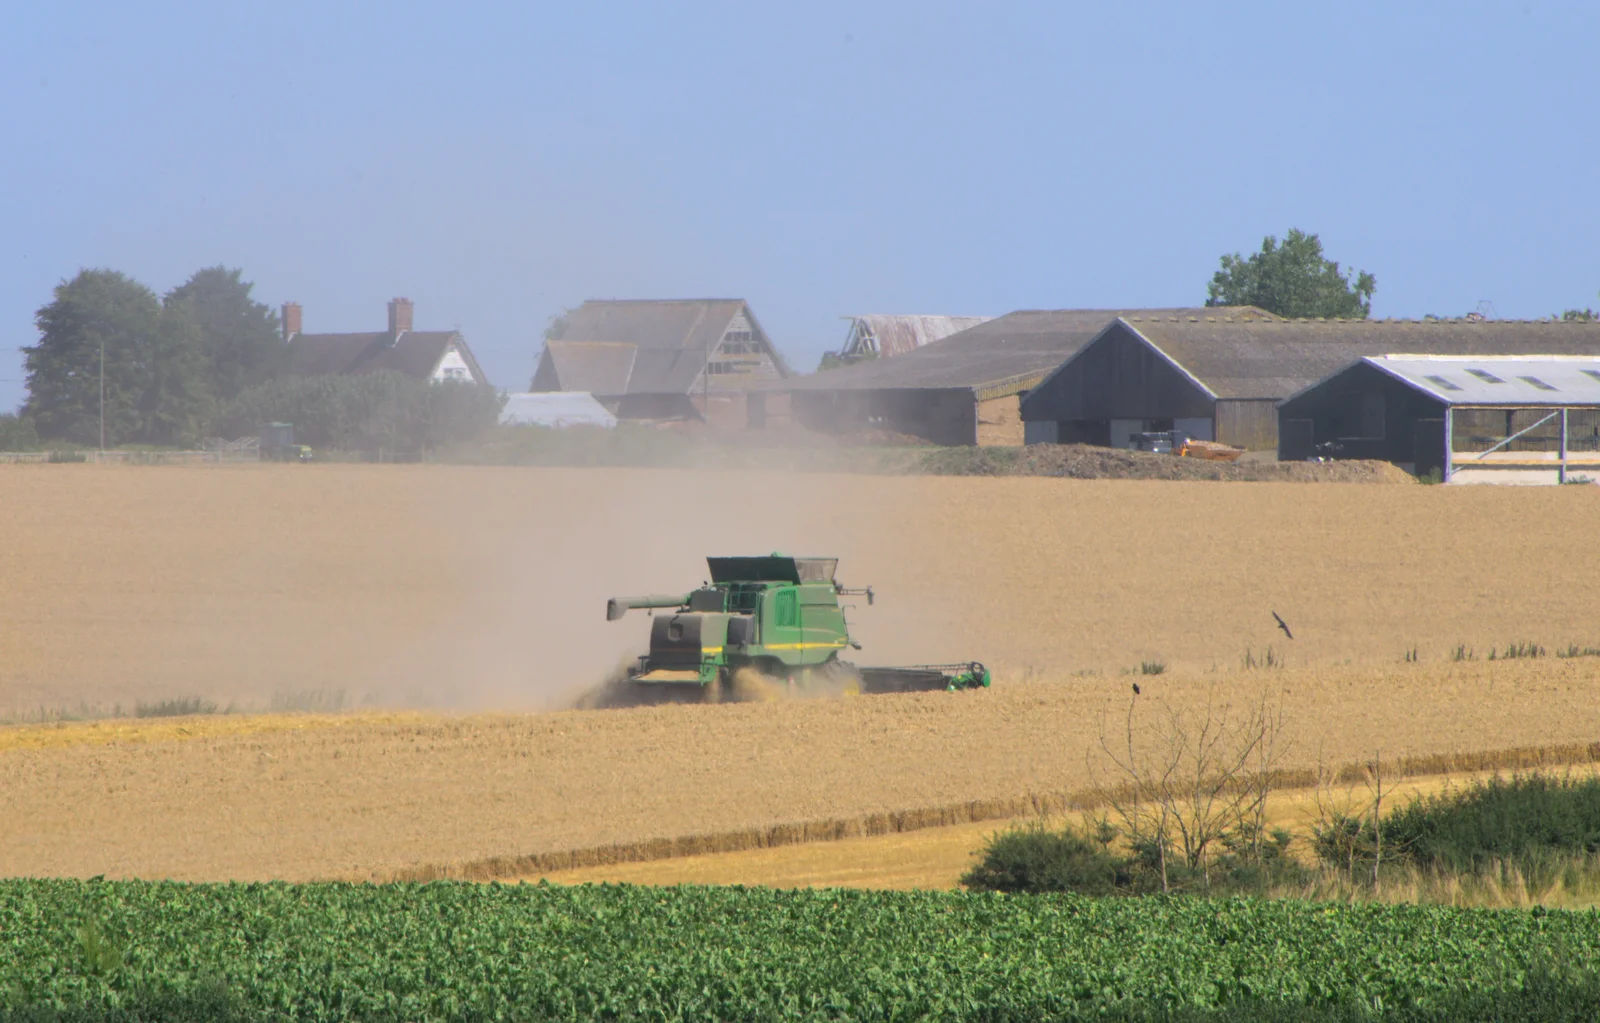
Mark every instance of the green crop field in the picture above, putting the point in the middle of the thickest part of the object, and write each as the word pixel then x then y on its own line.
pixel 451 951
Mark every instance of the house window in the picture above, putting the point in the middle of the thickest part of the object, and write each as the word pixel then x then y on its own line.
pixel 1485 376
pixel 1536 382
pixel 454 373
pixel 725 368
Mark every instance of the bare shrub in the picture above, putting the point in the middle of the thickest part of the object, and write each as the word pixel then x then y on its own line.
pixel 1191 782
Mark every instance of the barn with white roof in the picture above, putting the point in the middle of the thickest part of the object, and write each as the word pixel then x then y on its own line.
pixel 1470 418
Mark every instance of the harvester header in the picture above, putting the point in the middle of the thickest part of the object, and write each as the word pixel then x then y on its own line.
pixel 777 616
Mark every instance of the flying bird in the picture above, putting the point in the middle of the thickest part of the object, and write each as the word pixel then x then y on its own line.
pixel 1136 689
pixel 1282 625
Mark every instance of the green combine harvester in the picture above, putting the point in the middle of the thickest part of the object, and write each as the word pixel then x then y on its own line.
pixel 777 617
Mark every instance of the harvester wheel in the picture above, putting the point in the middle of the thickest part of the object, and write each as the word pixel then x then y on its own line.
pixel 841 677
pixel 712 691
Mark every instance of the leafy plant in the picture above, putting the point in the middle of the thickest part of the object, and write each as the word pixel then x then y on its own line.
pixel 1517 651
pixel 315 701
pixel 458 952
pixel 1269 659
pixel 1034 858
pixel 177 707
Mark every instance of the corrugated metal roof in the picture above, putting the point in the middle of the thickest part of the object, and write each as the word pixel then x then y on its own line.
pixel 555 408
pixel 1022 347
pixel 896 335
pixel 1479 380
pixel 1272 359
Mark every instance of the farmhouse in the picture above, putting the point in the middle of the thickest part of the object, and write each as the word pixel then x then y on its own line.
pixel 1508 419
pixel 961 390
pixel 676 359
pixel 423 354
pixel 875 335
pixel 1220 376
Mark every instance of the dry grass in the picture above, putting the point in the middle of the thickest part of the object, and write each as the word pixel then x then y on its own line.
pixel 514 794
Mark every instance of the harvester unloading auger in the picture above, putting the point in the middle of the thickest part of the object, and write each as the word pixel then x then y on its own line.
pixel 773 615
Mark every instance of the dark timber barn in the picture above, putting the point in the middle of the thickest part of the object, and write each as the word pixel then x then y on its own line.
pixel 962 390
pixel 1219 376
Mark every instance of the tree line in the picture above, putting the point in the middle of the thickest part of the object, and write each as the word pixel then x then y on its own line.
pixel 116 364
pixel 1292 278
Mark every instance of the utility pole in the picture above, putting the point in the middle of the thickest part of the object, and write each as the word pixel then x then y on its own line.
pixel 102 396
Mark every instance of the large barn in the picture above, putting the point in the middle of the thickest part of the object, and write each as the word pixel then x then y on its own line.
pixel 962 390
pixel 1219 376
pixel 673 359
pixel 1507 419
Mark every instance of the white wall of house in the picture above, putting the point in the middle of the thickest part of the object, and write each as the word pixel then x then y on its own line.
pixel 452 367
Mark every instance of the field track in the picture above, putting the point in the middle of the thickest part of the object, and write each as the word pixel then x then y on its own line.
pixel 458 588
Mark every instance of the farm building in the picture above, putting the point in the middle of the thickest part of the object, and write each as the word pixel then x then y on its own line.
pixel 556 409
pixel 677 359
pixel 875 335
pixel 424 354
pixel 1220 376
pixel 1508 419
pixel 962 390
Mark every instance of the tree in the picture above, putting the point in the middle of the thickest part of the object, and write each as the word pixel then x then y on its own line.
pixel 177 402
pixel 368 411
pixel 96 310
pixel 556 327
pixel 1584 315
pixel 1193 782
pixel 1292 279
pixel 240 340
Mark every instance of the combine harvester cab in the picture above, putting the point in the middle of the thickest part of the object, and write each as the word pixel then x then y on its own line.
pixel 776 617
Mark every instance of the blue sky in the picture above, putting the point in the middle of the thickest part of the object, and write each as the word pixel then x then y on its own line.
pixel 497 162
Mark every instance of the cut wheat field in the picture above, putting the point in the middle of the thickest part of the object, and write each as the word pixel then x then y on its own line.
pixel 475 594
pixel 502 795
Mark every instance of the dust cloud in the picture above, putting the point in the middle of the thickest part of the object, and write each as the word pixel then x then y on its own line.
pixel 305 587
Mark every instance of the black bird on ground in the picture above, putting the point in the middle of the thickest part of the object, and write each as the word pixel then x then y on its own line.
pixel 1282 625
pixel 1136 689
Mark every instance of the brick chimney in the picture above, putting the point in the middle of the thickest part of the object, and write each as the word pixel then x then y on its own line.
pixel 399 315
pixel 291 320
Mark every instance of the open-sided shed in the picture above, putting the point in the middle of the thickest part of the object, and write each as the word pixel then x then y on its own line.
pixel 1473 419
